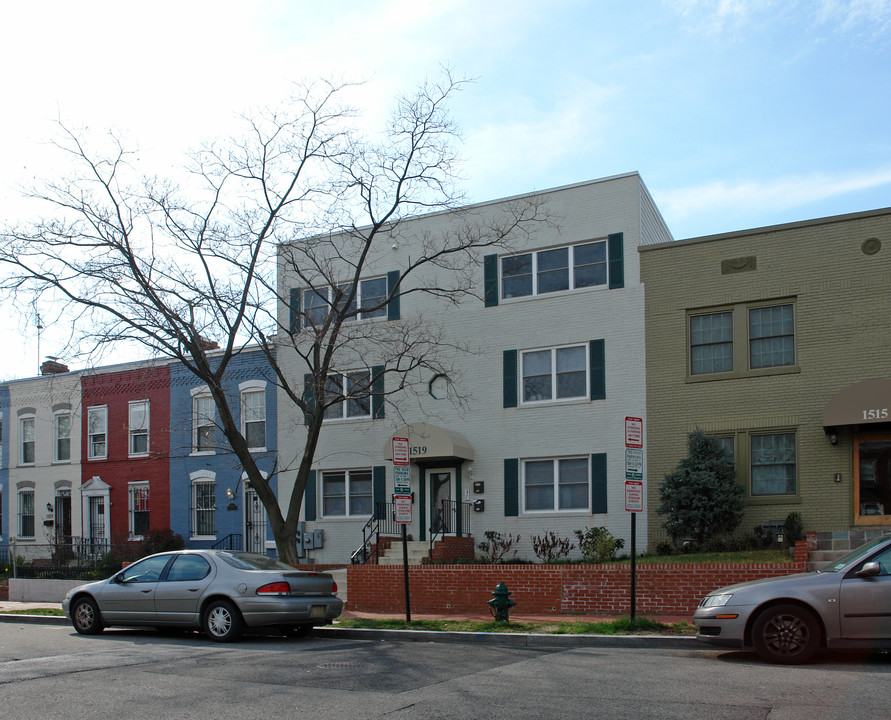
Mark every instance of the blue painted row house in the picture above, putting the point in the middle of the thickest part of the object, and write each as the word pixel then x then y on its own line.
pixel 211 502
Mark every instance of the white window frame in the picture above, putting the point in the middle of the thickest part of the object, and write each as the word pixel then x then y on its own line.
pixel 250 414
pixel 350 497
pixel 556 485
pixel 202 395
pixel 100 411
pixel 204 480
pixel 22 494
pixel 554 375
pixel 138 431
pixel 138 500
pixel 27 421
pixel 571 268
pixel 348 404
pixel 57 436
pixel 354 310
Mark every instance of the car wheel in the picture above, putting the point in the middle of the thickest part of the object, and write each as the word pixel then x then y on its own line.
pixel 222 621
pixel 786 634
pixel 297 631
pixel 85 616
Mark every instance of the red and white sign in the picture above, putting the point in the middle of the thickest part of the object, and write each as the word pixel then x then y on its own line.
pixel 400 451
pixel 402 505
pixel 633 432
pixel 633 496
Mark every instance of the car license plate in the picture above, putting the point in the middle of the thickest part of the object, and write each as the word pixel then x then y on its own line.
pixel 317 611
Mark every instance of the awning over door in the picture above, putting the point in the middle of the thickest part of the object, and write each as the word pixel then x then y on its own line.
pixel 860 404
pixel 430 442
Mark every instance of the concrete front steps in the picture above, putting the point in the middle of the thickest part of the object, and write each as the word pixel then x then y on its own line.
pixel 818 559
pixel 418 552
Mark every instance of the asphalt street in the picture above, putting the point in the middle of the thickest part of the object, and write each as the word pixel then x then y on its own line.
pixel 48 671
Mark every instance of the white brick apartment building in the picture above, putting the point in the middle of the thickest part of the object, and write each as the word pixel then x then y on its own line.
pixel 554 363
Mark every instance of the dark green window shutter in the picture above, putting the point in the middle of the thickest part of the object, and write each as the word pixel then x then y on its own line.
pixel 490 280
pixel 309 497
pixel 309 396
pixel 598 483
pixel 377 392
pixel 511 487
pixel 393 293
pixel 597 366
pixel 295 310
pixel 379 490
pixel 616 258
pixel 510 378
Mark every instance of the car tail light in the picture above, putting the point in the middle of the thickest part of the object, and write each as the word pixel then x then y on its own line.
pixel 275 588
pixel 334 587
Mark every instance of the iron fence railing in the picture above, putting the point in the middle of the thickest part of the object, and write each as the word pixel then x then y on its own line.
pixel 452 517
pixel 71 559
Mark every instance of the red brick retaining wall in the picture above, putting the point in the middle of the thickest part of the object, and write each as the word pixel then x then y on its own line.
pixel 545 589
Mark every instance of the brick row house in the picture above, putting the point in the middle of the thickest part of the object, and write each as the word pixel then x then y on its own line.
pixel 101 457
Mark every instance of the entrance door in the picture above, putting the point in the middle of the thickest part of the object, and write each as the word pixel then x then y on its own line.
pixel 63 517
pixel 872 486
pixel 254 522
pixel 442 506
pixel 97 524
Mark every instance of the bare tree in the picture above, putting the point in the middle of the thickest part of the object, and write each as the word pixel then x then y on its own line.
pixel 191 273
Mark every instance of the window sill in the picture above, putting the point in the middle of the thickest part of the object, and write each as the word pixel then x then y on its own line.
pixel 773 500
pixel 872 520
pixel 580 400
pixel 738 375
pixel 574 511
pixel 139 456
pixel 202 453
pixel 556 293
pixel 61 462
pixel 97 457
pixel 202 538
pixel 338 421
pixel 257 450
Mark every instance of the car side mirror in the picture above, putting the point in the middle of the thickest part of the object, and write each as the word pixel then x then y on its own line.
pixel 871 569
pixel 119 579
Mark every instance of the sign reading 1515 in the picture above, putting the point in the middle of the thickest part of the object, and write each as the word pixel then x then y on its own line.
pixel 875 414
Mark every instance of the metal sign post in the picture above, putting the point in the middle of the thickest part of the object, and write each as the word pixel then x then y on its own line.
pixel 634 492
pixel 402 507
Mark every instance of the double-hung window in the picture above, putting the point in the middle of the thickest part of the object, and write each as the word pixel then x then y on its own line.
pixel 203 425
pixel 97 432
pixel 554 270
pixel 771 336
pixel 349 395
pixel 62 436
pixel 711 343
pixel 556 484
pixel 773 464
pixel 139 427
pixel 742 339
pixel 204 508
pixel 369 301
pixel 555 374
pixel 138 508
pixel 26 513
pixel 347 492
pixel 27 444
pixel 253 418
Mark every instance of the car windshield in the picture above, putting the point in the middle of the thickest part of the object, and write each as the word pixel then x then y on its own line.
pixel 854 555
pixel 252 561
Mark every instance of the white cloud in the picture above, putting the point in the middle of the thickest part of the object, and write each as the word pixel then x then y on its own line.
pixel 720 197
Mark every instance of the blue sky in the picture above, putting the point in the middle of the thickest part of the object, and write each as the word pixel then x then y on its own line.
pixel 737 113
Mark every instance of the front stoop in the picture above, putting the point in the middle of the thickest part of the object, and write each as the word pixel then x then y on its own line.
pixel 418 553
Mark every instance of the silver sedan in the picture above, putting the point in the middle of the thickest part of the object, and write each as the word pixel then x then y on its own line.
pixel 788 619
pixel 220 592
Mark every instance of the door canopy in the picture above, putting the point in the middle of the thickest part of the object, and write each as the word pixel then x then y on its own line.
pixel 860 404
pixel 430 442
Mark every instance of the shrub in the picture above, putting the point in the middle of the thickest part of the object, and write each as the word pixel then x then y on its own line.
pixel 700 497
pixel 793 528
pixel 598 544
pixel 155 541
pixel 550 547
pixel 496 545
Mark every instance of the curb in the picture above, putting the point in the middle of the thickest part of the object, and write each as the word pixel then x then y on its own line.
pixel 530 640
pixel 34 619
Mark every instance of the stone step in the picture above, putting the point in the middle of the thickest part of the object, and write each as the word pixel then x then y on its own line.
pixel 418 551
pixel 818 559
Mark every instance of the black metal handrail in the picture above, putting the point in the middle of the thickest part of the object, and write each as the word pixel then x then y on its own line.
pixel 452 517
pixel 233 541
pixel 383 522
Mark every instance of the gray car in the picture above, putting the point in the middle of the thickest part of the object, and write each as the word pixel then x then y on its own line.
pixel 788 619
pixel 220 592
